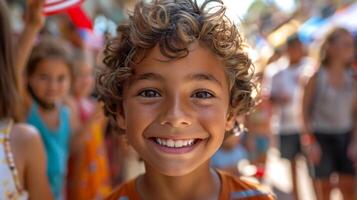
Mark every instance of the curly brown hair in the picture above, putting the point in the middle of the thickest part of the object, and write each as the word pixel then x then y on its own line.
pixel 173 25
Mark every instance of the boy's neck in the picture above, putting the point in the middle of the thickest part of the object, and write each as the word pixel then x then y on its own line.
pixel 203 183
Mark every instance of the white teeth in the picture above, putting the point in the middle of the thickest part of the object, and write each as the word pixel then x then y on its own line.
pixel 174 143
pixel 179 143
pixel 170 143
pixel 158 140
pixel 184 143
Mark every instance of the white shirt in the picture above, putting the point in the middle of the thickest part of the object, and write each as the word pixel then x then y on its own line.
pixel 288 82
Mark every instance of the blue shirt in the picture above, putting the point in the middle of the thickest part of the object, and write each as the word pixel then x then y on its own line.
pixel 57 146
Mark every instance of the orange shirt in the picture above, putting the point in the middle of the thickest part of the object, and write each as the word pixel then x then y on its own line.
pixel 232 187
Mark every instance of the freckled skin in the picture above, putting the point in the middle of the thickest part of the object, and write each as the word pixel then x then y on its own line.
pixel 175 101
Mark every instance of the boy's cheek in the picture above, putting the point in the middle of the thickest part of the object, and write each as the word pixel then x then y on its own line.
pixel 121 119
pixel 213 117
pixel 135 114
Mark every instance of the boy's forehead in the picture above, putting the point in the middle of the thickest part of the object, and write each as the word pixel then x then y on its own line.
pixel 200 64
pixel 156 54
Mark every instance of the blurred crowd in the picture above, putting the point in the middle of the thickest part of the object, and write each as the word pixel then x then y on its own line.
pixel 307 108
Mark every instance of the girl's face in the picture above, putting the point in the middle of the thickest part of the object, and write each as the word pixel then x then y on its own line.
pixel 84 80
pixel 175 112
pixel 342 48
pixel 50 81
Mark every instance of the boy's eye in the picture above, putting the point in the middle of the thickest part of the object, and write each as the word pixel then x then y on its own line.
pixel 202 95
pixel 149 93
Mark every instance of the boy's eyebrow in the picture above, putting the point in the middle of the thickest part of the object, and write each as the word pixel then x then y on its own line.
pixel 203 76
pixel 147 76
pixel 190 77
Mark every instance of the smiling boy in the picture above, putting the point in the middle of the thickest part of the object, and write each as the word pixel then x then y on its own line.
pixel 175 78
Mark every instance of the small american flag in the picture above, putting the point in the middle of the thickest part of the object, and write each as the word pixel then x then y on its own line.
pixel 56 6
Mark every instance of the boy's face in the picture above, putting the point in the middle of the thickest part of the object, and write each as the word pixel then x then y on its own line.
pixel 175 113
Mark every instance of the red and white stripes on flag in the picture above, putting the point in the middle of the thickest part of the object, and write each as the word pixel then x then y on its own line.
pixel 56 6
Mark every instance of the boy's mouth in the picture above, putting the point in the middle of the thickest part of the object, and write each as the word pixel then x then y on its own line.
pixel 175 143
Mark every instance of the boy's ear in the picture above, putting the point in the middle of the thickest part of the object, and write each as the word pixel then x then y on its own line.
pixel 120 119
pixel 231 119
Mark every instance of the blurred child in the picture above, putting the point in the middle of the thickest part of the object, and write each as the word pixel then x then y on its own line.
pixel 285 96
pixel 175 78
pixel 229 154
pixel 48 73
pixel 329 116
pixel 22 175
pixel 88 172
pixel 47 70
pixel 258 124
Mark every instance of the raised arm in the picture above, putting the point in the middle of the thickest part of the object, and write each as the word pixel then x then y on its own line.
pixel 34 21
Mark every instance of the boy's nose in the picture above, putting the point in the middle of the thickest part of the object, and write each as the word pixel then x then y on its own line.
pixel 176 114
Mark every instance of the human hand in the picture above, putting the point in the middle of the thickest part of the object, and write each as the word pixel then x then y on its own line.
pixel 284 98
pixel 281 98
pixel 313 153
pixel 34 14
pixel 352 153
pixel 311 148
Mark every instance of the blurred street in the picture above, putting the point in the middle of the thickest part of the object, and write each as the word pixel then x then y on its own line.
pixel 278 176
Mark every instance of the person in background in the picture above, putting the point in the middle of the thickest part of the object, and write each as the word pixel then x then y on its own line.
pixel 258 139
pixel 229 154
pixel 22 175
pixel 48 75
pixel 285 96
pixel 88 171
pixel 329 116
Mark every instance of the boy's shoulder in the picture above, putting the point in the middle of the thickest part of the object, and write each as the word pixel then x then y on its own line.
pixel 126 191
pixel 235 187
